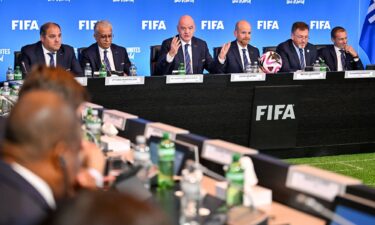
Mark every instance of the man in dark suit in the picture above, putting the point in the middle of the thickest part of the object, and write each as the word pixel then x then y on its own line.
pixel 114 57
pixel 49 51
pixel 187 49
pixel 235 56
pixel 296 53
pixel 340 56
pixel 40 157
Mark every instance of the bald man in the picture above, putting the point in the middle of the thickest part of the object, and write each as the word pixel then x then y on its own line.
pixel 40 158
pixel 187 49
pixel 236 55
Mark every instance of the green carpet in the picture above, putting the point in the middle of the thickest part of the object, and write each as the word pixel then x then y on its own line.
pixel 360 166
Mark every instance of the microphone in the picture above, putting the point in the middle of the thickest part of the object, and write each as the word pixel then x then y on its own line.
pixel 24 67
pixel 316 206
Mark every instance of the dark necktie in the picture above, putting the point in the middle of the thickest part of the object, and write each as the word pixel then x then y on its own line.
pixel 187 60
pixel 245 61
pixel 106 61
pixel 301 59
pixel 343 61
pixel 51 59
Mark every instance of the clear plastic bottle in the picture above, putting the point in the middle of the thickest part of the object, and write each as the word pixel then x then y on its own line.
pixel 235 178
pixel 142 158
pixel 316 66
pixel 93 123
pixel 132 70
pixel 5 92
pixel 248 68
pixel 166 152
pixel 10 74
pixel 17 73
pixel 88 70
pixel 181 69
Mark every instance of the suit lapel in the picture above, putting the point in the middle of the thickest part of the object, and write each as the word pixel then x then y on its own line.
pixel 116 57
pixel 97 58
pixel 195 55
pixel 333 55
pixel 60 57
pixel 40 55
pixel 237 55
pixel 294 54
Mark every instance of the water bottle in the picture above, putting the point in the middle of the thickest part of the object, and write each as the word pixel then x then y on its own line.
pixel 93 124
pixel 132 70
pixel 181 69
pixel 17 73
pixel 166 152
pixel 254 67
pixel 248 68
pixel 102 71
pixel 88 70
pixel 190 200
pixel 316 66
pixel 5 92
pixel 14 92
pixel 235 178
pixel 10 74
pixel 323 66
pixel 142 158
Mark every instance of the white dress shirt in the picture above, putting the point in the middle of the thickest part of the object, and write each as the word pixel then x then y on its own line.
pixel 241 54
pixel 338 58
pixel 109 56
pixel 47 58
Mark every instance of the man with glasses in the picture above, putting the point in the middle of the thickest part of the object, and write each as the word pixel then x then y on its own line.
pixel 50 51
pixel 297 53
pixel 340 56
pixel 114 57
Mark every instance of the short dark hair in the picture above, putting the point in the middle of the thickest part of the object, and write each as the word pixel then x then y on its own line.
pixel 300 26
pixel 335 30
pixel 44 28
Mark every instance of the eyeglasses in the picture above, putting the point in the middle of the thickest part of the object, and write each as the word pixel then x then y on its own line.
pixel 109 36
pixel 302 37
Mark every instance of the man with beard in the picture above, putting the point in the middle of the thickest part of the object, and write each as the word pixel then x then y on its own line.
pixel 238 54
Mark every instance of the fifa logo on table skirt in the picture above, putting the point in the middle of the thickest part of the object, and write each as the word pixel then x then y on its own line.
pixel 212 25
pixel 25 25
pixel 267 25
pixel 4 51
pixel 241 1
pixel 320 25
pixel 132 51
pixel 183 1
pixel 295 2
pixel 275 112
pixel 153 25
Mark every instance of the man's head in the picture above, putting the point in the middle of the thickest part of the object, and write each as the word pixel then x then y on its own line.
pixel 339 37
pixel 57 80
pixel 103 33
pixel 186 28
pixel 43 134
pixel 242 32
pixel 50 36
pixel 300 34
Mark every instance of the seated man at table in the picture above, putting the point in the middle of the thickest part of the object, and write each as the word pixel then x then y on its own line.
pixel 114 57
pixel 49 51
pixel 296 53
pixel 235 56
pixel 340 56
pixel 186 49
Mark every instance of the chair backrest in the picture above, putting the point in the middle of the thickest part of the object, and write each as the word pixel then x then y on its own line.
pixel 17 59
pixel 79 53
pixel 216 52
pixel 269 48
pixel 154 55
pixel 318 47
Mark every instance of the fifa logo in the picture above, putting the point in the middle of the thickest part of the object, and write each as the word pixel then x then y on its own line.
pixel 267 25
pixel 153 25
pixel 275 112
pixel 24 25
pixel 212 25
pixel 320 25
pixel 86 24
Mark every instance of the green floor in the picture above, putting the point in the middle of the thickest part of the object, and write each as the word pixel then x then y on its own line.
pixel 361 166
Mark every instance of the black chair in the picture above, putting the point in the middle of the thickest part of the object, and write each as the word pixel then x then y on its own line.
pixel 154 55
pixel 370 67
pixel 17 59
pixel 269 48
pixel 216 52
pixel 79 53
pixel 318 47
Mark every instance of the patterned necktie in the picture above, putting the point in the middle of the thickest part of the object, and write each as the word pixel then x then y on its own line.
pixel 106 61
pixel 187 60
pixel 245 61
pixel 301 59
pixel 52 59
pixel 343 61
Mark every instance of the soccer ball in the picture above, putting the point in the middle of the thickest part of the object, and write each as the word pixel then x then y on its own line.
pixel 270 62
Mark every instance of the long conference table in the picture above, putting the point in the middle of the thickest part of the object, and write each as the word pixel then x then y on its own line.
pixel 277 115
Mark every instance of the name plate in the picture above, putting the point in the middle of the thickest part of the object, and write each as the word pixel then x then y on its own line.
pixel 82 80
pixel 240 77
pixel 109 81
pixel 359 74
pixel 309 75
pixel 314 185
pixel 117 118
pixel 153 131
pixel 184 79
pixel 217 154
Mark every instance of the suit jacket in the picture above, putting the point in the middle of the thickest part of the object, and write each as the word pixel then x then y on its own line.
pixel 290 57
pixel 329 56
pixel 120 58
pixel 21 203
pixel 33 54
pixel 201 58
pixel 233 62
